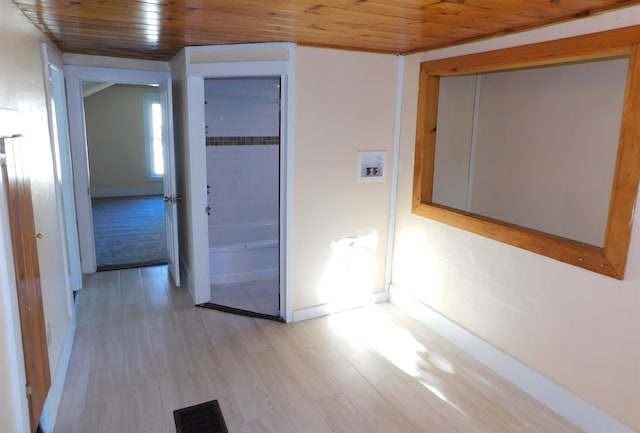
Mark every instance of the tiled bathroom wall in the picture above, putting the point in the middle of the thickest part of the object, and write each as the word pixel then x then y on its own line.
pixel 243 183
pixel 243 120
pixel 242 107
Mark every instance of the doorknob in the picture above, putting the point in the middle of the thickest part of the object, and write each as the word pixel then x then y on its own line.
pixel 38 236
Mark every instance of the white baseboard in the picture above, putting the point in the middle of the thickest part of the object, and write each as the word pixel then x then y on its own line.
pixel 331 308
pixel 562 401
pixel 52 403
pixel 127 191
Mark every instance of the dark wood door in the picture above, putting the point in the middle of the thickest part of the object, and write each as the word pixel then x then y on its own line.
pixel 24 237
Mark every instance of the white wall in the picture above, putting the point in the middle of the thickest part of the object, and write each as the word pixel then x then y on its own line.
pixel 116 142
pixel 453 157
pixel 575 327
pixel 22 89
pixel 345 103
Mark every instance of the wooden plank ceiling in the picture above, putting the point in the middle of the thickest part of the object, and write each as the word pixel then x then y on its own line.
pixel 158 29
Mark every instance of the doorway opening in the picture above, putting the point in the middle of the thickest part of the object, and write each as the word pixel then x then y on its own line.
pixel 125 157
pixel 242 118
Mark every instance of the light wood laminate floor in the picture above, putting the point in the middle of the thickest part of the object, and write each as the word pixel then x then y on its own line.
pixel 143 350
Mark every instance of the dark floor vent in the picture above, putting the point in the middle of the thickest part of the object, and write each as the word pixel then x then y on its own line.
pixel 201 418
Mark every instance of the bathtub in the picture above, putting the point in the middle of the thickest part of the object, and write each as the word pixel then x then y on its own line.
pixel 243 253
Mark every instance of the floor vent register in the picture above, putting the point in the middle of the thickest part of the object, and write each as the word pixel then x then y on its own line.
pixel 201 418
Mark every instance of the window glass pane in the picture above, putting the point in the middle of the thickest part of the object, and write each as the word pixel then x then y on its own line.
pixel 156 139
pixel 158 159
pixel 156 120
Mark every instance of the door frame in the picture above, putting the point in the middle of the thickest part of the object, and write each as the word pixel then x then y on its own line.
pixel 74 76
pixel 235 61
pixel 169 187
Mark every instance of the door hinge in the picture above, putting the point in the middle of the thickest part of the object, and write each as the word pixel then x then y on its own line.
pixel 27 390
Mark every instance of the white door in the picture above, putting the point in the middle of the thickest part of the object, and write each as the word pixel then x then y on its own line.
pixel 171 198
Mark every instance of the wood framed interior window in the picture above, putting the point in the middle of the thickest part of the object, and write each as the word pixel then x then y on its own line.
pixel 608 257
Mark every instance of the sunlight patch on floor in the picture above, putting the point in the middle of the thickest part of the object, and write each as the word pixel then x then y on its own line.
pixel 374 330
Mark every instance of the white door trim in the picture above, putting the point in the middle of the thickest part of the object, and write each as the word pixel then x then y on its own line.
pixel 74 75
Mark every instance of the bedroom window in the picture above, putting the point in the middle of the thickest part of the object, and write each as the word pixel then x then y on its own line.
pixel 152 106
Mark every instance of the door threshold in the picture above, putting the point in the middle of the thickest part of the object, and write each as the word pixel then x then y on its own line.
pixel 240 312
pixel 102 268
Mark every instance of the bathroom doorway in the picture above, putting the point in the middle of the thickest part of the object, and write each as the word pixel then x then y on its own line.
pixel 242 118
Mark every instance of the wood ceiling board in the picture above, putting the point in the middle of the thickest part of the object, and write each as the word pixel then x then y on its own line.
pixel 157 31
